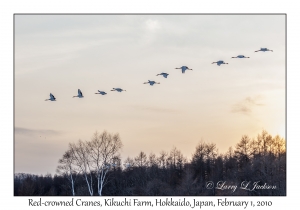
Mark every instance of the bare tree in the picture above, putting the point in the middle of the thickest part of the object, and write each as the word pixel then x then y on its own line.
pixel 82 160
pixel 200 152
pixel 103 149
pixel 141 160
pixel 175 159
pixel 153 162
pixel 162 159
pixel 203 160
pixel 279 146
pixel 243 151
pixel 67 169
pixel 129 163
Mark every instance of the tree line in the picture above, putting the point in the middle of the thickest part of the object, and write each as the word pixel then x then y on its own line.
pixel 256 166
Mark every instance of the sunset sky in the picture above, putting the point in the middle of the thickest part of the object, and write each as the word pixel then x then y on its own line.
pixel 218 104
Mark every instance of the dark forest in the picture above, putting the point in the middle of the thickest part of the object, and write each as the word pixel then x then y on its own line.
pixel 255 166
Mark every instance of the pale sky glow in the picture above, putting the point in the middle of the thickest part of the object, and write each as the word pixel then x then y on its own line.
pixel 218 104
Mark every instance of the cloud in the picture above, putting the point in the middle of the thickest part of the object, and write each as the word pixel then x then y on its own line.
pixel 246 106
pixel 253 101
pixel 150 33
pixel 152 25
pixel 33 132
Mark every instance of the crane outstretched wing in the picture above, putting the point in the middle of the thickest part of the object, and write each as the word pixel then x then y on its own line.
pixel 52 97
pixel 79 92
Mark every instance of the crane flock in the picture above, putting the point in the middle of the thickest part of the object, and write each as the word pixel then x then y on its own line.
pixel 165 75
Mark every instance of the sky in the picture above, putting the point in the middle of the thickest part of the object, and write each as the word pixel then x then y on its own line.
pixel 217 104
